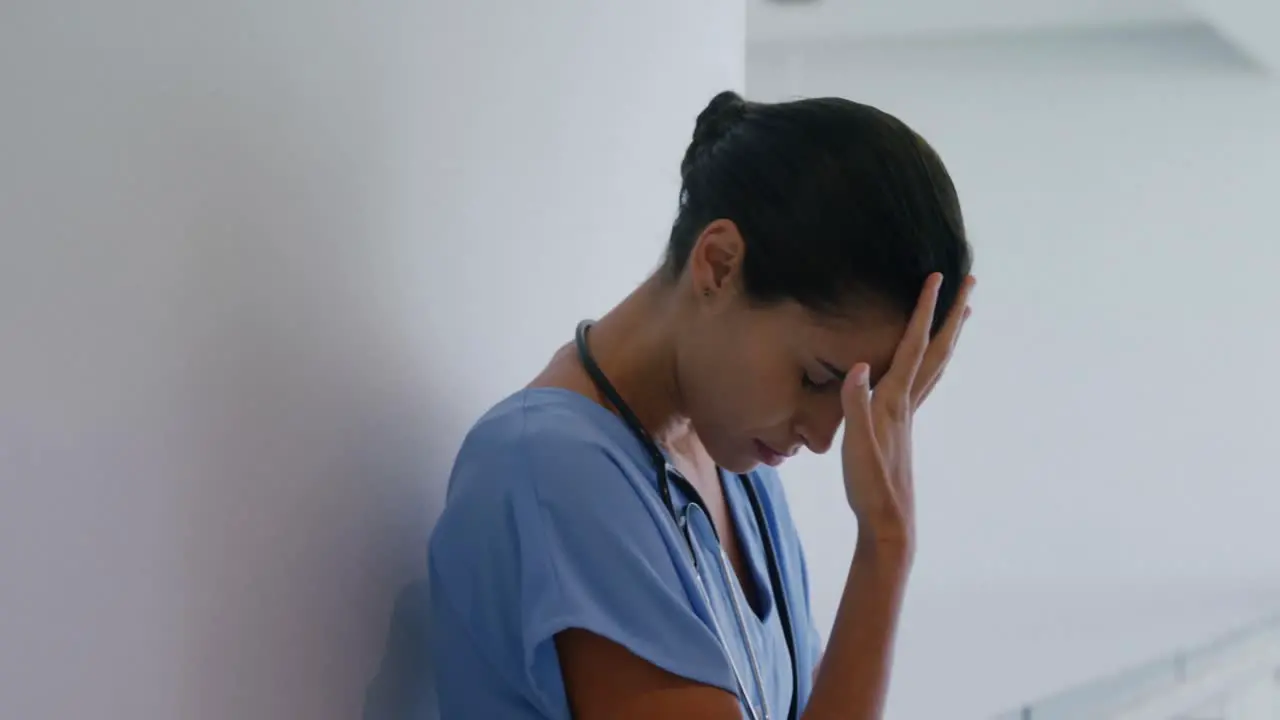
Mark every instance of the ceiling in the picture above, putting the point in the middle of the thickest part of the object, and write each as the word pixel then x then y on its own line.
pixel 1252 25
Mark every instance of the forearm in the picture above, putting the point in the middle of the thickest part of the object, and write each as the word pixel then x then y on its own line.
pixel 853 678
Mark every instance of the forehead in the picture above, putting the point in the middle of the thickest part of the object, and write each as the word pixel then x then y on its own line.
pixel 867 334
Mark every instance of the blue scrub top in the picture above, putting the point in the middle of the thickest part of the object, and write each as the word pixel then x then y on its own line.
pixel 553 520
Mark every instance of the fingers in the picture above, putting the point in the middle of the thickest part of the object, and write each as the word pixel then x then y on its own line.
pixel 943 345
pixel 922 393
pixel 859 433
pixel 911 349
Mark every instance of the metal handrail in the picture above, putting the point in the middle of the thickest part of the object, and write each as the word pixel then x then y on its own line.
pixel 1122 691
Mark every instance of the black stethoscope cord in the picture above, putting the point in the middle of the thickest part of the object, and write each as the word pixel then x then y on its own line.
pixel 665 477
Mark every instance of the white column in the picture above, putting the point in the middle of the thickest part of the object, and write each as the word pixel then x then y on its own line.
pixel 260 265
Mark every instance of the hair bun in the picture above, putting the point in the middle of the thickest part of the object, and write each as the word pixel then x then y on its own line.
pixel 715 121
pixel 721 114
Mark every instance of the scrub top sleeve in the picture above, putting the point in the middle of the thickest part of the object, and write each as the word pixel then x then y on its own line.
pixel 599 556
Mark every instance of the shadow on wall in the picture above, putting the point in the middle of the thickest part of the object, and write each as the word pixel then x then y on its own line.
pixel 296 581
pixel 404 687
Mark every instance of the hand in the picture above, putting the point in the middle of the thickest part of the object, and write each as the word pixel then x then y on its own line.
pixel 877 432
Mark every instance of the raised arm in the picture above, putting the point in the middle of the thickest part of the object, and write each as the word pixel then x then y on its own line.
pixel 605 680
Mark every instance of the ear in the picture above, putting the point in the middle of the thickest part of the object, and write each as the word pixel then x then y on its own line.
pixel 716 259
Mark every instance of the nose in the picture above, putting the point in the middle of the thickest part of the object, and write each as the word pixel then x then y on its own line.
pixel 819 427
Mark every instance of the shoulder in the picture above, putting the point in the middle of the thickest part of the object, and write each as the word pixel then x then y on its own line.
pixel 542 469
pixel 540 444
pixel 553 522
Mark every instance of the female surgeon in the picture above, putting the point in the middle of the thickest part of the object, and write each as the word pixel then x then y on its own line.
pixel 616 542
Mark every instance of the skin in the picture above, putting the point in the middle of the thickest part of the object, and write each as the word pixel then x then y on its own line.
pixel 712 375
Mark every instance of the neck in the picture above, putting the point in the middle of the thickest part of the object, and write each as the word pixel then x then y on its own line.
pixel 634 345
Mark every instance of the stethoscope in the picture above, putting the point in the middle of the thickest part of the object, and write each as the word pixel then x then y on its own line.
pixel 666 475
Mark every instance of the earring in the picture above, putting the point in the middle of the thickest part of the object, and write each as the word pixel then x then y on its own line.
pixel 706 292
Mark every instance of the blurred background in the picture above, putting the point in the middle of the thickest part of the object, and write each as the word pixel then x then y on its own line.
pixel 262 263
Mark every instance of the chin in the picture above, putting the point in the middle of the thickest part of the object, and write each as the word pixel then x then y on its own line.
pixel 739 464
pixel 734 458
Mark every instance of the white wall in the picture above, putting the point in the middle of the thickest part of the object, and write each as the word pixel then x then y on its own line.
pixel 260 264
pixel 1097 476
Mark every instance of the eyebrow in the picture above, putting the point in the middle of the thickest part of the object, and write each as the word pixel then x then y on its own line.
pixel 842 374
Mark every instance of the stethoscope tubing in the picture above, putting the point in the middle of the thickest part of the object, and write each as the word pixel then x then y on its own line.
pixel 664 476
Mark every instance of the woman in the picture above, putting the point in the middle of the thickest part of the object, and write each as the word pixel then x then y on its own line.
pixel 818 253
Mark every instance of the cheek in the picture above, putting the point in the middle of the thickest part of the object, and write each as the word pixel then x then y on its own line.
pixel 822 415
pixel 765 390
pixel 744 393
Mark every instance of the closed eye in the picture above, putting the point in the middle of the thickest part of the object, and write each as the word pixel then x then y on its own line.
pixel 829 379
pixel 808 382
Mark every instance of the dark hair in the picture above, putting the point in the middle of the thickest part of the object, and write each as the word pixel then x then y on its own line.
pixel 835 200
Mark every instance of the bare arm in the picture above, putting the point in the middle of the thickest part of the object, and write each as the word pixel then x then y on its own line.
pixel 605 680
pixel 852 678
